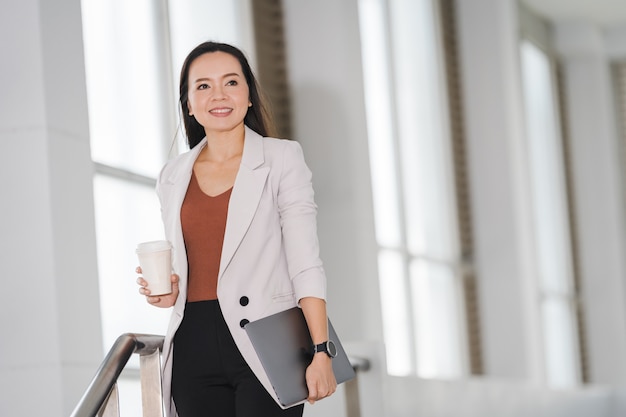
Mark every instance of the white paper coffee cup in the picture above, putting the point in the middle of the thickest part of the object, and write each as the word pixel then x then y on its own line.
pixel 155 260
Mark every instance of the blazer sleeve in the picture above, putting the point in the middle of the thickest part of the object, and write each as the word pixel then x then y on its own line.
pixel 162 201
pixel 298 220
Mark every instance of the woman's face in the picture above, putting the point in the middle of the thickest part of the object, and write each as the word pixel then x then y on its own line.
pixel 218 92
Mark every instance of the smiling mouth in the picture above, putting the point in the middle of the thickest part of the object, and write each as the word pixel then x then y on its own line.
pixel 221 111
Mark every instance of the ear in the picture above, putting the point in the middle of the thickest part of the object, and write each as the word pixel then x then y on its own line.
pixel 189 108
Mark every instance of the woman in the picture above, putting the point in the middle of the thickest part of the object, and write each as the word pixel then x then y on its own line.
pixel 239 211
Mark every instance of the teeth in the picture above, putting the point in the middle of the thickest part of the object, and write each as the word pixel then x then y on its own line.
pixel 220 110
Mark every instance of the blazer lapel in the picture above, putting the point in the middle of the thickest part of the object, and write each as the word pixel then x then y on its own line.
pixel 245 196
pixel 181 175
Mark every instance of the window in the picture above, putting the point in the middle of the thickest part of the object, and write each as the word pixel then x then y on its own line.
pixel 557 298
pixel 420 265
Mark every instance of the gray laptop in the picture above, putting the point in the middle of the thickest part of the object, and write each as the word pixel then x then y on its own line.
pixel 285 349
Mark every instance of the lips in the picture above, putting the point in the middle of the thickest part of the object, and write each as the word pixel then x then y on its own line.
pixel 221 111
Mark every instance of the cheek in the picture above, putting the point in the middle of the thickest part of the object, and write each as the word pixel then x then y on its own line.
pixel 193 101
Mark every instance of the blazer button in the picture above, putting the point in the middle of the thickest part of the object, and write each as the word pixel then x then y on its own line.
pixel 244 301
pixel 243 323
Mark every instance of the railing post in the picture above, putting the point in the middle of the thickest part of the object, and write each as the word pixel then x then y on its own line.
pixel 351 387
pixel 353 406
pixel 151 390
pixel 111 406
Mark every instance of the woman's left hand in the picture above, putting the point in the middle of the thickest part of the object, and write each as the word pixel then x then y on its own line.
pixel 320 379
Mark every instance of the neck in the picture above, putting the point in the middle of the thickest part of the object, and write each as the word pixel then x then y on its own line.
pixel 222 146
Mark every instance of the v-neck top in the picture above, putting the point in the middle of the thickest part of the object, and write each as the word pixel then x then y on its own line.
pixel 203 220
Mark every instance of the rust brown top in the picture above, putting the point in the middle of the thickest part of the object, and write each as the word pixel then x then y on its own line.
pixel 203 220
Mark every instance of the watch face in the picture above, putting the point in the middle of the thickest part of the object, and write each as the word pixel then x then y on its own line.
pixel 332 349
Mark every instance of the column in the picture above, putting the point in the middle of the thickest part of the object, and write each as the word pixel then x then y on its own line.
pixel 51 344
pixel 505 265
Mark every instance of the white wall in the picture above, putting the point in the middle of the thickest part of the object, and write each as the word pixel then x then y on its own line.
pixel 493 398
pixel 49 316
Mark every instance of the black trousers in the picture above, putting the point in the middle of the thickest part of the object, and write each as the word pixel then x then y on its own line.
pixel 210 378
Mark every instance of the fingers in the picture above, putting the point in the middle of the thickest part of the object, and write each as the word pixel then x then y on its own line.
pixel 326 390
pixel 316 395
pixel 142 282
pixel 312 392
pixel 159 301
pixel 320 389
pixel 153 300
pixel 312 395
pixel 142 286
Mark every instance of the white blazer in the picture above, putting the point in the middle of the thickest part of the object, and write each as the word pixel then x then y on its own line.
pixel 270 253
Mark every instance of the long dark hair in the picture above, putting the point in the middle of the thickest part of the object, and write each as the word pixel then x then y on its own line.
pixel 258 117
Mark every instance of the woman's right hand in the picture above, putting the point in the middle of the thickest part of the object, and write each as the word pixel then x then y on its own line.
pixel 163 301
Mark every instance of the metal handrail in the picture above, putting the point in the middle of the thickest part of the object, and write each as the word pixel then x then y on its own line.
pixel 359 364
pixel 103 389
pixel 111 368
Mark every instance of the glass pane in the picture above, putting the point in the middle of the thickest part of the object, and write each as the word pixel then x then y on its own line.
pixel 439 329
pixel 550 214
pixel 395 308
pixel 424 140
pixel 126 214
pixel 379 107
pixel 546 172
pixel 131 117
pixel 196 21
pixel 560 340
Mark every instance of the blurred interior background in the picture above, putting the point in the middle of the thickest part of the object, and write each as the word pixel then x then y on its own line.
pixel 468 163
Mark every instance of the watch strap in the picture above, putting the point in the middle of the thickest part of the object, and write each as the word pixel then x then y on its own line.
pixel 324 347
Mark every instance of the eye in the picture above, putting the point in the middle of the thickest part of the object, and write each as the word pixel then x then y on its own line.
pixel 202 86
pixel 232 82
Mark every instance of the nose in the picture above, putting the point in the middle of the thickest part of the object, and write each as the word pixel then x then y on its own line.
pixel 218 93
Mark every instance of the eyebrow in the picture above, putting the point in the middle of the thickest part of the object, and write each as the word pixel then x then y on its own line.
pixel 230 74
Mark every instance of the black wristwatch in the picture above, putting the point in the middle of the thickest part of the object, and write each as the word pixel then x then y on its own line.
pixel 328 347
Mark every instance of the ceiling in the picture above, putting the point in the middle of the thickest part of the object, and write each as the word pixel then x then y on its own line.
pixel 605 13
